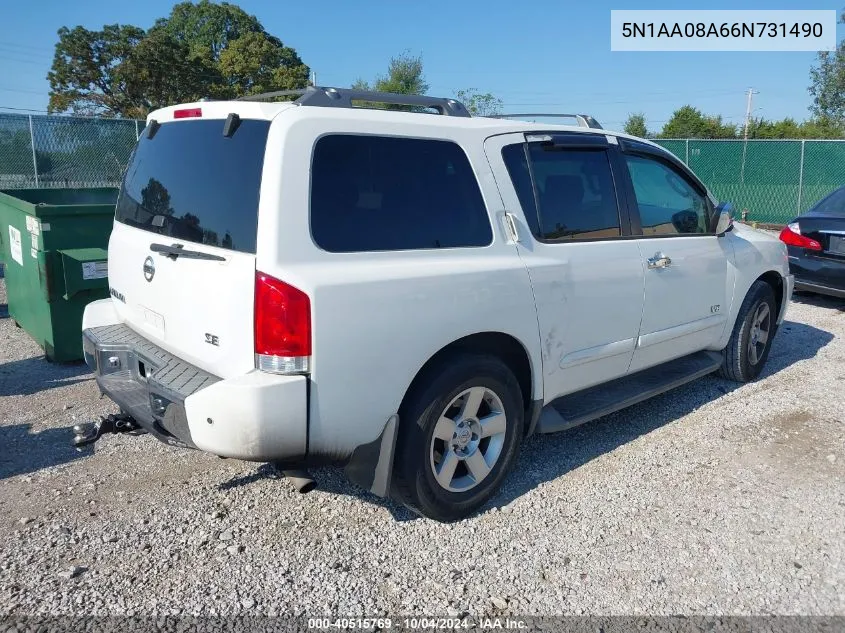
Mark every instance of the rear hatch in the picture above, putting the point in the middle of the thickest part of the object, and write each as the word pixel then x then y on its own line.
pixel 182 252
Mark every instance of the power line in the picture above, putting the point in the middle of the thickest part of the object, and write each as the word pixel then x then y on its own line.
pixel 29 46
pixel 22 61
pixel 31 92
pixel 23 109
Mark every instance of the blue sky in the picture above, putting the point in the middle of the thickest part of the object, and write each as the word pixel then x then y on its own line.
pixel 541 55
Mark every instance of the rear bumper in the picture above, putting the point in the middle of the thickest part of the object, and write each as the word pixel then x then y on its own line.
pixel 825 275
pixel 821 289
pixel 256 416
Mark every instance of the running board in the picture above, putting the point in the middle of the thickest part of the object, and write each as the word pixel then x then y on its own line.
pixel 595 402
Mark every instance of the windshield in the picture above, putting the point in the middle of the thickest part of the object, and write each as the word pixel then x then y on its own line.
pixel 192 183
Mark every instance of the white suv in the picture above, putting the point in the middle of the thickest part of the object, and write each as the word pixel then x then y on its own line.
pixel 411 291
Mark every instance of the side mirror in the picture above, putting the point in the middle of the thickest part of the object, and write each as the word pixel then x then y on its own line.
pixel 725 222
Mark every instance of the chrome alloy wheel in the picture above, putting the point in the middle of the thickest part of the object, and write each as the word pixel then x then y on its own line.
pixel 468 439
pixel 760 328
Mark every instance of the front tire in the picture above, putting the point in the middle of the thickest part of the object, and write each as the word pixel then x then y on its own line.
pixel 458 437
pixel 751 340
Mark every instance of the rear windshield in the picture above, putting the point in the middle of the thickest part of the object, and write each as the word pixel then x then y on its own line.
pixel 191 183
pixel 833 203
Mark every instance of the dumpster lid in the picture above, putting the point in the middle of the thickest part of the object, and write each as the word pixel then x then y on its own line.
pixel 85 254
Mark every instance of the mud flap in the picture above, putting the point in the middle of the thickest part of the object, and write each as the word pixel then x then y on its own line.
pixel 371 465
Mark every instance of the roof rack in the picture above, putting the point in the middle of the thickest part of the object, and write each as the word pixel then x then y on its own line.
pixel 584 120
pixel 327 97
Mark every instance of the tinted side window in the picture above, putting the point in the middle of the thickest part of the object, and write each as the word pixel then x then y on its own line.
pixel 373 193
pixel 574 188
pixel 517 164
pixel 667 203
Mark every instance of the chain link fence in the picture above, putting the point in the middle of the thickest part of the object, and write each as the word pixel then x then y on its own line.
pixel 773 180
pixel 62 151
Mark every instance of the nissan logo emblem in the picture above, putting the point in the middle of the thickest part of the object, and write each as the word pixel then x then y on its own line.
pixel 149 269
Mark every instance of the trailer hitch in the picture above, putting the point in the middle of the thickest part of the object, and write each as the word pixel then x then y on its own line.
pixel 90 432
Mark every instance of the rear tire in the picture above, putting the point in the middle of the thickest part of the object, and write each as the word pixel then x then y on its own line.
pixel 751 340
pixel 459 431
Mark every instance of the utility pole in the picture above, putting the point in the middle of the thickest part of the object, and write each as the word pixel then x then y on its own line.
pixel 751 93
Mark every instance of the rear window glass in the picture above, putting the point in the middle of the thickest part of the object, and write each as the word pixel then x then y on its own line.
pixel 374 193
pixel 833 203
pixel 191 183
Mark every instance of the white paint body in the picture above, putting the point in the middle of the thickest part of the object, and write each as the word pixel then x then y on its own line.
pixel 585 313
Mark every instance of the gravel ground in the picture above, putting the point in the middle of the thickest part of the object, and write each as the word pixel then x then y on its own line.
pixel 712 499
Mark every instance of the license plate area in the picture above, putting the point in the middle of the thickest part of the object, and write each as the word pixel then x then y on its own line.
pixel 836 245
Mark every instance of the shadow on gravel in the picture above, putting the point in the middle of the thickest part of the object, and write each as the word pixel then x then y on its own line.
pixel 31 375
pixel 546 457
pixel 25 452
pixel 330 480
pixel 820 301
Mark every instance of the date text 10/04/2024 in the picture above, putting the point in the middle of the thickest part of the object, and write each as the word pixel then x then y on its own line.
pixel 368 624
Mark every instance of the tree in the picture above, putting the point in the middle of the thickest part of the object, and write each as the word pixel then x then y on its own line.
pixel 258 62
pixel 207 27
pixel 227 40
pixel 823 127
pixel 155 198
pixel 635 125
pixel 404 77
pixel 788 128
pixel 828 84
pixel 82 78
pixel 480 104
pixel 199 50
pixel 160 71
pixel 689 122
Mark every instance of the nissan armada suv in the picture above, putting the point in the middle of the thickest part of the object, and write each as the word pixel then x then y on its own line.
pixel 411 291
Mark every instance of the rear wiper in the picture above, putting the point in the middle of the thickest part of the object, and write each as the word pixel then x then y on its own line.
pixel 177 251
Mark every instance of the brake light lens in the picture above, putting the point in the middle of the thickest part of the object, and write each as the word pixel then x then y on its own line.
pixel 791 236
pixel 187 113
pixel 282 327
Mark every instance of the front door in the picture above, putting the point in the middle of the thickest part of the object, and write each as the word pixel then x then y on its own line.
pixel 574 238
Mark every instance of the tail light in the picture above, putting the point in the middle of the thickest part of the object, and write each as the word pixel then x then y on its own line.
pixel 187 113
pixel 282 327
pixel 791 236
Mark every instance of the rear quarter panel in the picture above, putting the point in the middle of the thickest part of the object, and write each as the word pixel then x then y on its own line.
pixel 377 317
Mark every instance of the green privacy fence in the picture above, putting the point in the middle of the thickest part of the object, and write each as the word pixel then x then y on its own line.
pixel 774 180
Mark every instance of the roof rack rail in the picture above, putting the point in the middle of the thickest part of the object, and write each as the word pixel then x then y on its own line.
pixel 584 120
pixel 327 97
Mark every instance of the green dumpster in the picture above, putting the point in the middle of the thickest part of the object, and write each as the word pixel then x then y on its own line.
pixel 54 250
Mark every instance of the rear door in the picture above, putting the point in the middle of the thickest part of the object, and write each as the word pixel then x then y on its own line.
pixel 574 238
pixel 188 188
pixel 685 263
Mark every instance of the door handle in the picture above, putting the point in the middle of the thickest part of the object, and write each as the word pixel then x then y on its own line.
pixel 659 261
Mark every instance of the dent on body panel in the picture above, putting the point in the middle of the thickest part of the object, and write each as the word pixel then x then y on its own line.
pixel 748 256
pixel 554 347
